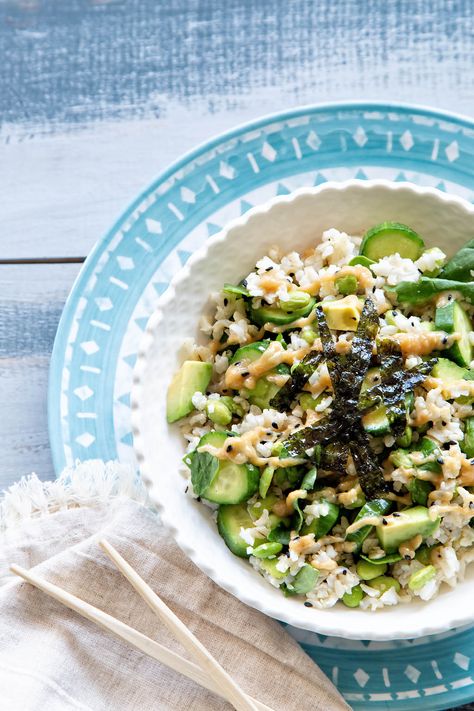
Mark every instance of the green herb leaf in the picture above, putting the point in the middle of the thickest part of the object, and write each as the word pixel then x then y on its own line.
pixel 238 290
pixel 461 266
pixel 409 292
pixel 279 534
pixel 297 518
pixel 309 479
pixel 204 467
pixel 386 560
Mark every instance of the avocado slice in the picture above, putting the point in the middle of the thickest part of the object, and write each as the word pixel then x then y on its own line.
pixel 193 376
pixel 404 525
pixel 343 314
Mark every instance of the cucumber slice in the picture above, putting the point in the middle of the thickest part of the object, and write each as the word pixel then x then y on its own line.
pixel 389 238
pixel 250 352
pixel 273 314
pixel 453 318
pixel 448 371
pixel 230 519
pixel 376 422
pixel 377 507
pixel 232 483
pixel 264 389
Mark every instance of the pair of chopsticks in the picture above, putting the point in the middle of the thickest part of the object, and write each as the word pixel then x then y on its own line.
pixel 206 672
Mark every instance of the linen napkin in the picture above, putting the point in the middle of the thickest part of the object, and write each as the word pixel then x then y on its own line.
pixel 51 659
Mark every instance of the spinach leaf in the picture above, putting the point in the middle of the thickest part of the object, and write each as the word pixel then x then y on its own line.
pixel 204 467
pixel 279 534
pixel 461 266
pixel 417 292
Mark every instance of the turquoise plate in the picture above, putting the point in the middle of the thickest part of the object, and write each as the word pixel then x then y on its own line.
pixel 122 279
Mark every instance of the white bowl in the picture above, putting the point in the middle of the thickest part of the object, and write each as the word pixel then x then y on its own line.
pixel 293 221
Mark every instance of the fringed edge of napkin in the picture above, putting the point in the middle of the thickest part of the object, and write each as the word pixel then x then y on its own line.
pixel 88 483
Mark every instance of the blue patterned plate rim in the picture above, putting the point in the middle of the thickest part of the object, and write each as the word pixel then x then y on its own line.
pixel 328 652
pixel 54 384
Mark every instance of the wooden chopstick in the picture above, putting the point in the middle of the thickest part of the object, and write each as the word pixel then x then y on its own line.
pixel 129 635
pixel 234 694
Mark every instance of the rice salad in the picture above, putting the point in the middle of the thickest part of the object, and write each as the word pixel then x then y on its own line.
pixel 329 418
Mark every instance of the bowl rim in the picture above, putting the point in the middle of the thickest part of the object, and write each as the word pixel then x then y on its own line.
pixel 457 618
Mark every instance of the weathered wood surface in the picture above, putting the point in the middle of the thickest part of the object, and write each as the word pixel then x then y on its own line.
pixel 31 301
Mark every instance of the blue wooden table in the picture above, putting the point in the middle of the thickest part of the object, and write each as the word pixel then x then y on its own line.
pixel 97 96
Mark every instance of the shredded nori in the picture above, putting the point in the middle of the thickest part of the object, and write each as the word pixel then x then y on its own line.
pixel 395 384
pixel 300 373
pixel 341 431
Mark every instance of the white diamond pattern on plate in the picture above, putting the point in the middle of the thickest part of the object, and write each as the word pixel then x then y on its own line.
pixel 84 392
pixel 406 140
pixel 361 677
pixel 90 347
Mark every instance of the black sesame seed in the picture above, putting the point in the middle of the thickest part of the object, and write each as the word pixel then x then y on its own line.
pixel 262 441
pixel 268 269
pixel 308 604
pixel 344 572
pixel 245 373
pixel 396 514
pixel 444 423
pixel 440 460
pixel 450 298
pixel 226 301
pixel 373 289
pixel 407 557
pixel 413 324
pixel 420 271
pixel 237 363
pixel 384 521
pixel 186 490
pixel 445 340
pixel 274 425
pixel 228 448
pixel 296 538
pixel 244 283
pixel 472 461
pixel 453 441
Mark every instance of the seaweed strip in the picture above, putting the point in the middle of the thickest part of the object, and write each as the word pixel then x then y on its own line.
pixel 369 473
pixel 300 442
pixel 342 433
pixel 300 374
